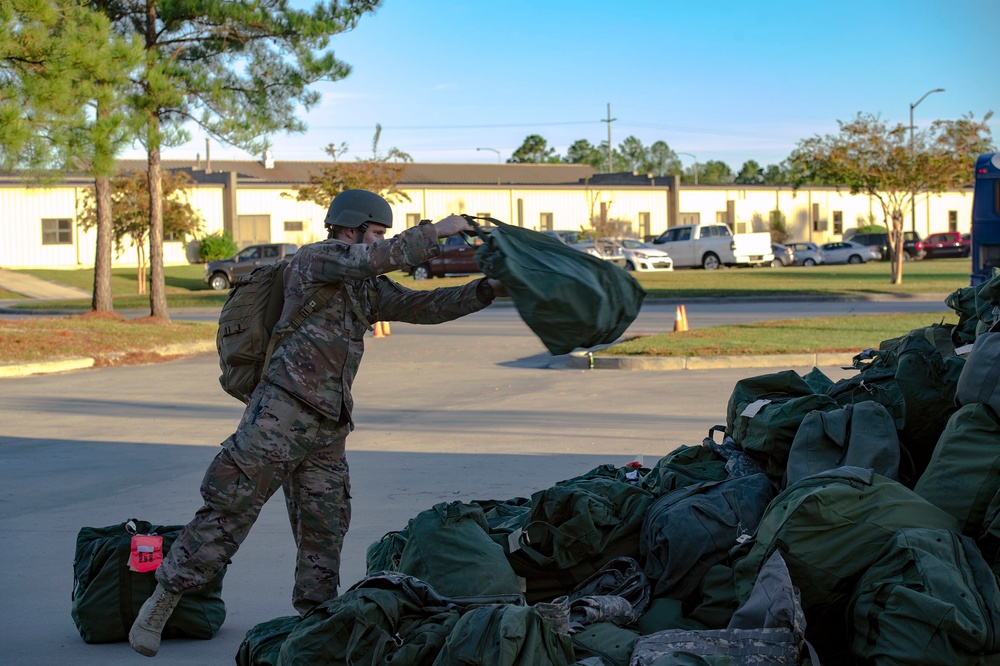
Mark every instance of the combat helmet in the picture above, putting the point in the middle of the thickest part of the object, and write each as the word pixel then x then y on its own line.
pixel 356 209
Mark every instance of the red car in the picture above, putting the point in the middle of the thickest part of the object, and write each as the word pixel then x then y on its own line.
pixel 457 258
pixel 947 244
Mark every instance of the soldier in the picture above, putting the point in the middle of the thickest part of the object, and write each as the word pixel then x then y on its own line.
pixel 293 432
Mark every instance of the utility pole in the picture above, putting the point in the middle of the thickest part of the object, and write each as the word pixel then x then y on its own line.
pixel 609 120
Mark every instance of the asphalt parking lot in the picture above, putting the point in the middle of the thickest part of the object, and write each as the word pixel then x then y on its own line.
pixel 472 409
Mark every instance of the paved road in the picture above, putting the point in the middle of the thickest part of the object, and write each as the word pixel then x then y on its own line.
pixel 470 409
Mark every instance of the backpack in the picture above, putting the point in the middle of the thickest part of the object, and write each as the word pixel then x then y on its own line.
pixel 107 594
pixel 246 337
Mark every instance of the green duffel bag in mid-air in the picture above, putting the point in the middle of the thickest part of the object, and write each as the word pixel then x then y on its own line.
pixel 107 593
pixel 567 297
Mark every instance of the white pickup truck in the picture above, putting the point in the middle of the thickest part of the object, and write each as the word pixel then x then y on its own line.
pixel 713 245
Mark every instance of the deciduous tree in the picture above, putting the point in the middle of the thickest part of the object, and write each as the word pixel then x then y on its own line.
pixel 130 213
pixel 868 155
pixel 378 173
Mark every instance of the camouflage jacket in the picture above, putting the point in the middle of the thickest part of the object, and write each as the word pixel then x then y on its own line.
pixel 318 362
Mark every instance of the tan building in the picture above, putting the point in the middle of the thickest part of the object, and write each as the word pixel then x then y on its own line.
pixel 256 202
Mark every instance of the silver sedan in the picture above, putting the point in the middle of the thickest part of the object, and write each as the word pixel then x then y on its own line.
pixel 849 252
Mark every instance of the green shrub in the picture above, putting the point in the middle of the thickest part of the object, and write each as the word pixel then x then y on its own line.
pixel 217 246
pixel 872 229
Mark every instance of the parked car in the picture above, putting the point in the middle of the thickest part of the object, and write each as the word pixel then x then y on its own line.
pixel 609 249
pixel 641 256
pixel 567 236
pixel 807 254
pixel 913 245
pixel 457 258
pixel 783 255
pixel 849 252
pixel 947 244
pixel 221 274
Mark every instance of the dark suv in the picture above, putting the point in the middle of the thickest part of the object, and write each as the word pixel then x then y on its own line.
pixel 913 246
pixel 222 273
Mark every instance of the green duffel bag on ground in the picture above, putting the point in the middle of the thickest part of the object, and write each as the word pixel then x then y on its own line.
pixel 829 528
pixel 505 636
pixel 964 472
pixel 262 644
pixel 916 384
pixel 975 309
pixel 384 554
pixel 568 298
pixel 928 600
pixel 449 547
pixel 606 640
pixel 575 528
pixel 765 412
pixel 858 435
pixel 980 378
pixel 107 594
pixel 685 466
pixel 768 629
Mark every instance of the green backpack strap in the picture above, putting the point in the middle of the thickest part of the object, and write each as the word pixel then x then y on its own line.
pixel 315 301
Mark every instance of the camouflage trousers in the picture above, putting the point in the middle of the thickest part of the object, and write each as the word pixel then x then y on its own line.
pixel 279 443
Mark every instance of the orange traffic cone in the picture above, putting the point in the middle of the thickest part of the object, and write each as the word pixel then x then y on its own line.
pixel 680 319
pixel 385 328
pixel 377 330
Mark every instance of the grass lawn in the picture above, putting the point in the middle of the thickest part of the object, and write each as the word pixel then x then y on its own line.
pixel 109 335
pixel 852 333
pixel 185 288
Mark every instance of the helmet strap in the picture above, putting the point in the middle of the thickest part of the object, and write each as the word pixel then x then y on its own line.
pixel 361 233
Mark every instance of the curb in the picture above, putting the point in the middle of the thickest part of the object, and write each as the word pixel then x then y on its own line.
pixel 587 361
pixel 83 363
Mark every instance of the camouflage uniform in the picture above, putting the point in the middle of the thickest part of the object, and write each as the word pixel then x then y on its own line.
pixel 294 429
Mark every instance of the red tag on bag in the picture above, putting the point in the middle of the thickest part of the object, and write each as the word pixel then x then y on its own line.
pixel 146 553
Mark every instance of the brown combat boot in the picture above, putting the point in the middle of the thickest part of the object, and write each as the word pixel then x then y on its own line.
pixel 145 634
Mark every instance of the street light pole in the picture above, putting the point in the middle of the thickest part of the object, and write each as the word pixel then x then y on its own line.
pixel 913 194
pixel 695 165
pixel 494 150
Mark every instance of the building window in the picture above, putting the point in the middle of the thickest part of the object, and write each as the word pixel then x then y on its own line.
pixel 483 215
pixel 721 216
pixel 838 221
pixel 412 219
pixel 952 220
pixel 57 232
pixel 643 225
pixel 545 221
pixel 294 225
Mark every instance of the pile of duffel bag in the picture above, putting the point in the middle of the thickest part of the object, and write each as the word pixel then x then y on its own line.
pixel 844 522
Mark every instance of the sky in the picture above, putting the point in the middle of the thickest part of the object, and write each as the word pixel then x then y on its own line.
pixel 465 81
